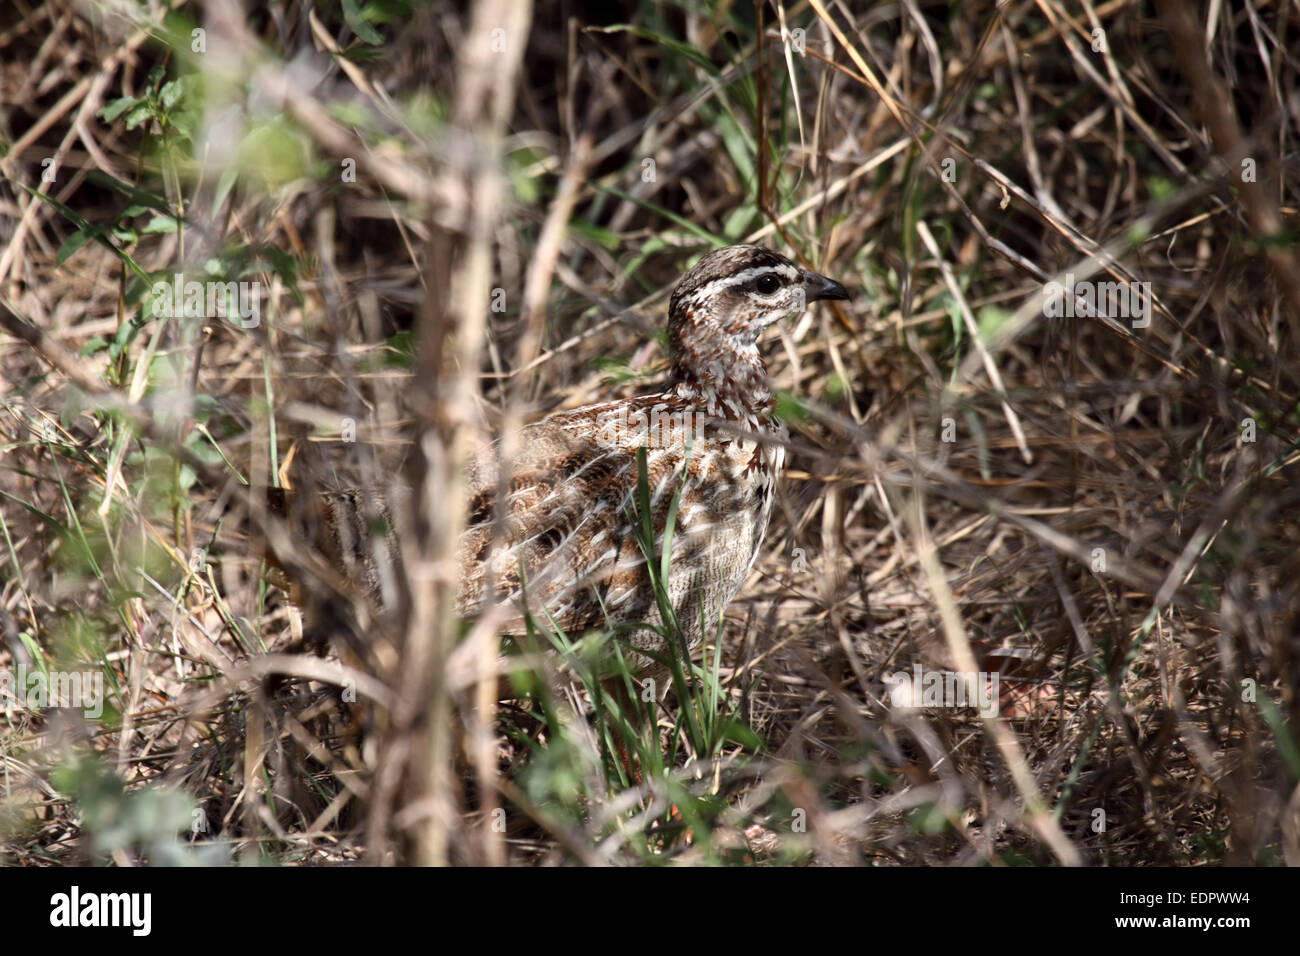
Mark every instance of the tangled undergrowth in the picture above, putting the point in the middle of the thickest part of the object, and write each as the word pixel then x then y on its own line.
pixel 1052 440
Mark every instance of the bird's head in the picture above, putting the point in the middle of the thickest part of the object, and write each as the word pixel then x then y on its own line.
pixel 722 305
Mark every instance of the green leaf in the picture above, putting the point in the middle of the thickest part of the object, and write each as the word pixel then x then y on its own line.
pixel 138 115
pixel 1159 187
pixel 126 333
pixel 928 819
pixel 115 108
pixel 350 114
pixel 229 176
pixel 171 93
pixel 387 11
pixel 1286 742
pixel 81 222
pixel 738 222
pixel 603 237
pixel 789 408
pixel 353 17
pixel 738 145
pixel 159 224
pixel 274 152
pixel 740 733
pixel 991 318
pixel 76 241
pixel 400 351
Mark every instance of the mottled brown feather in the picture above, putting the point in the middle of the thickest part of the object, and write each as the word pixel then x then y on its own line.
pixel 565 546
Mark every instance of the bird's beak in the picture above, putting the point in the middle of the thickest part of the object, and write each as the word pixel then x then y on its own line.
pixel 818 287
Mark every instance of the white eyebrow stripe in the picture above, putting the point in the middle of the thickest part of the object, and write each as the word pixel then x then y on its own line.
pixel 740 278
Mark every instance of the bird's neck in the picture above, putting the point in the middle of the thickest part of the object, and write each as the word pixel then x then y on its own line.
pixel 725 379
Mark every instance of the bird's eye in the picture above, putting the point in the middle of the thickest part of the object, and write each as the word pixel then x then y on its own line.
pixel 767 284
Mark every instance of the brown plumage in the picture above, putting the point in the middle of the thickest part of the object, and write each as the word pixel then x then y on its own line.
pixel 566 548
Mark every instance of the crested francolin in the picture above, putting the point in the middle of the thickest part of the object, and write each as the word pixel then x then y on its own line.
pixel 566 549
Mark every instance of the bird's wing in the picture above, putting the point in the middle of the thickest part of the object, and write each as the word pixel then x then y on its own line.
pixel 566 544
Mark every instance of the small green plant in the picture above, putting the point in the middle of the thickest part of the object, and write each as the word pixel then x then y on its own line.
pixel 642 741
pixel 149 822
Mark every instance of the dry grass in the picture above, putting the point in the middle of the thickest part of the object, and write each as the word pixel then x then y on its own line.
pixel 1101 512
